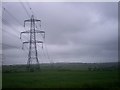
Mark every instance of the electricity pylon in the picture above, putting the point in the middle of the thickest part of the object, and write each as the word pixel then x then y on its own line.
pixel 32 55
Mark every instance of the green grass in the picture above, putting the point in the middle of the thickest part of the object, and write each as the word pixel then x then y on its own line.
pixel 61 79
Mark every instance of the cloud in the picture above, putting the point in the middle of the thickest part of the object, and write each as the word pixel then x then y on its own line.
pixel 73 30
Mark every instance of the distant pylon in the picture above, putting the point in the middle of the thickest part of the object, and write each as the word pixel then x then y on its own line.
pixel 32 55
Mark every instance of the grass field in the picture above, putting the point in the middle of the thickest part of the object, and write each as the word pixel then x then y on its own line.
pixel 61 79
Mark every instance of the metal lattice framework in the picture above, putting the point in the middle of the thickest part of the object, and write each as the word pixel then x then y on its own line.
pixel 32 55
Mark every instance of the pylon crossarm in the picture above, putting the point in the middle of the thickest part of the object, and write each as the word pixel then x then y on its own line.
pixel 37 31
pixel 26 42
pixel 32 42
pixel 22 33
pixel 29 20
pixel 37 20
pixel 23 44
pixel 39 41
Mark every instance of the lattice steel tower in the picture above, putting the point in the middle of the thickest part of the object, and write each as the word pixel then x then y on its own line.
pixel 33 55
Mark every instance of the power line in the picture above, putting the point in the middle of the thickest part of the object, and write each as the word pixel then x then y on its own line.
pixel 25 8
pixel 4 30
pixel 4 20
pixel 12 16
pixel 14 34
pixel 32 12
pixel 44 56
pixel 48 54
pixel 18 23
pixel 13 19
pixel 30 8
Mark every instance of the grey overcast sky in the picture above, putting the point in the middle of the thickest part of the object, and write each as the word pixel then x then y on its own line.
pixel 75 31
